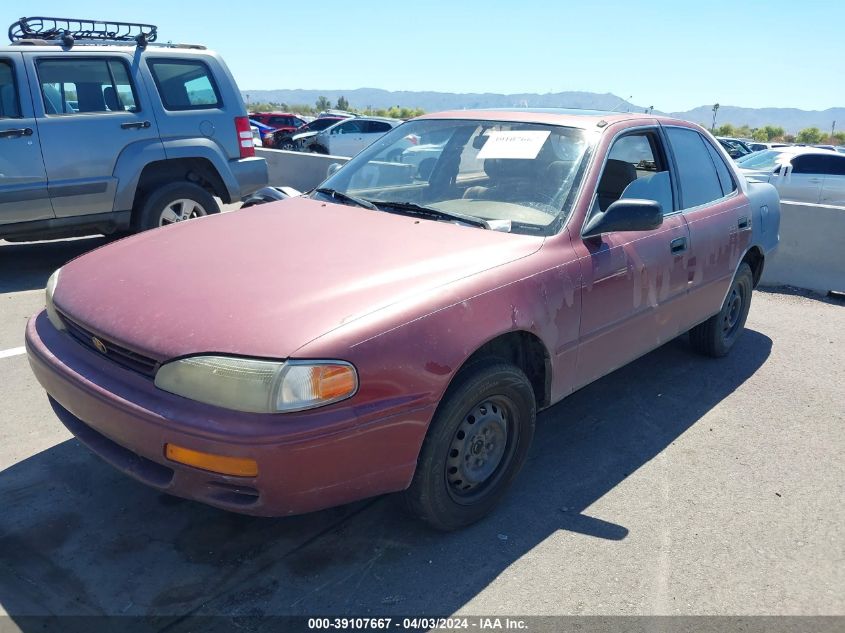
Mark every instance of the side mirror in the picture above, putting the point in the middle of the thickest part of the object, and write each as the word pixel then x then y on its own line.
pixel 626 215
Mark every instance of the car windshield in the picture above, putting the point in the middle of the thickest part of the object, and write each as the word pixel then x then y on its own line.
pixel 520 177
pixel 766 159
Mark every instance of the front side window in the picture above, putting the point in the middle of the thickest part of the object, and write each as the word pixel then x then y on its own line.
pixel 809 164
pixel 696 171
pixel 185 84
pixel 635 168
pixel 75 85
pixel 518 177
pixel 9 104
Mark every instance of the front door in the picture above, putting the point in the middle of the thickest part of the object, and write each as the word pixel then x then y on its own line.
pixel 89 111
pixel 633 281
pixel 346 139
pixel 803 183
pixel 23 179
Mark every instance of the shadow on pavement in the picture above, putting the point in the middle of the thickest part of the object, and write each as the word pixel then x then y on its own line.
pixel 28 265
pixel 76 537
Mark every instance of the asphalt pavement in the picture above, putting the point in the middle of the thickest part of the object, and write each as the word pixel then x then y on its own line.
pixel 678 485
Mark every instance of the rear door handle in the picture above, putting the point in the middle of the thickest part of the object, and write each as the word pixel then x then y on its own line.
pixel 137 125
pixel 16 132
pixel 743 223
pixel 815 180
pixel 678 245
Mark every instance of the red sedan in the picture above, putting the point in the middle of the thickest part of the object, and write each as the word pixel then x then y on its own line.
pixel 398 328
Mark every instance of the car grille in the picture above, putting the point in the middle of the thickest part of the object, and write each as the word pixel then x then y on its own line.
pixel 117 353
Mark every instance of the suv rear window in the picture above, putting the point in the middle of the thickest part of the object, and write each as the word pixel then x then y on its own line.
pixel 72 85
pixel 184 84
pixel 9 107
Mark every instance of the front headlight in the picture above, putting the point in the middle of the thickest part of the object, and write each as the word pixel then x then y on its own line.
pixel 259 386
pixel 54 317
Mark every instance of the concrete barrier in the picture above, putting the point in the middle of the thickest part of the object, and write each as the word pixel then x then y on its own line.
pixel 299 170
pixel 811 253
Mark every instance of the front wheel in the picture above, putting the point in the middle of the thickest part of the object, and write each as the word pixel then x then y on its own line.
pixel 476 444
pixel 718 334
pixel 175 202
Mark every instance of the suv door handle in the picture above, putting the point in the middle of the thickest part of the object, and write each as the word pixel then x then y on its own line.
pixel 678 245
pixel 137 125
pixel 16 132
pixel 814 180
pixel 743 223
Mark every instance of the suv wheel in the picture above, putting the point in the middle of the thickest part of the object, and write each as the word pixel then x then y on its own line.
pixel 476 444
pixel 175 202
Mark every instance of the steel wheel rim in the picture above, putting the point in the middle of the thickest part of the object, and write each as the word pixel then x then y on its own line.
pixel 181 210
pixel 480 450
pixel 732 312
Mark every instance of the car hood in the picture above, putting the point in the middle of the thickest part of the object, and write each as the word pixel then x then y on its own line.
pixel 267 280
pixel 302 135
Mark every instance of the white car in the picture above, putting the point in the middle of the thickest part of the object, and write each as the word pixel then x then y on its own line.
pixel 346 138
pixel 800 174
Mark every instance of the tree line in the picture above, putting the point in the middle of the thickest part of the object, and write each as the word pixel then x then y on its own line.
pixel 776 134
pixel 323 103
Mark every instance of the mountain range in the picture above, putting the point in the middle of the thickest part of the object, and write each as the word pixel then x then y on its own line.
pixel 791 119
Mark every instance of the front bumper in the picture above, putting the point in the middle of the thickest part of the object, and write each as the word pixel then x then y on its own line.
pixel 306 461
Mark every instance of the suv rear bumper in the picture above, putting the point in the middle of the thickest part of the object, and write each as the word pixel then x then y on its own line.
pixel 250 174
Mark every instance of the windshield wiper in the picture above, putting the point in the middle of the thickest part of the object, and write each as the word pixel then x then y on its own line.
pixel 345 197
pixel 412 208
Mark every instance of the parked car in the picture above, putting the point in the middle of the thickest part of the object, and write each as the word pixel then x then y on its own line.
pixel 263 134
pixel 734 147
pixel 347 137
pixel 801 174
pixel 125 136
pixel 408 344
pixel 756 147
pixel 284 121
pixel 283 139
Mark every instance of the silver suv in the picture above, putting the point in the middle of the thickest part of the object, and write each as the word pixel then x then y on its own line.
pixel 104 131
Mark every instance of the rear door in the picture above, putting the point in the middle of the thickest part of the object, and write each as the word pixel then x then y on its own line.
pixel 373 130
pixel 89 109
pixel 833 188
pixel 719 220
pixel 23 179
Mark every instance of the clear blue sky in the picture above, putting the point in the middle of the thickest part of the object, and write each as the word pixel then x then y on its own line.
pixel 752 53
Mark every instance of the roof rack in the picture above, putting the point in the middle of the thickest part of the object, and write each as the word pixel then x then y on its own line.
pixel 68 30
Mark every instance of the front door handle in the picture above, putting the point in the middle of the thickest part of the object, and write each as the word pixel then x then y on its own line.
pixel 16 132
pixel 678 245
pixel 137 125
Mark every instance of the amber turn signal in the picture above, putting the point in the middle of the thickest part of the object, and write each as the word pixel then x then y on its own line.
pixel 223 464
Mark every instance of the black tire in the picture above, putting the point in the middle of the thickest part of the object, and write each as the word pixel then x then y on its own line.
pixel 159 200
pixel 288 146
pixel 718 334
pixel 476 444
pixel 318 149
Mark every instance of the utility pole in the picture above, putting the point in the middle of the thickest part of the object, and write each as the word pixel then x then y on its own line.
pixel 832 130
pixel 715 109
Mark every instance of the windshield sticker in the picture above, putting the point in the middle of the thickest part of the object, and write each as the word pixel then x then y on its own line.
pixel 524 144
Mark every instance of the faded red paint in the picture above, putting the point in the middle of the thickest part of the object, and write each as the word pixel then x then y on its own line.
pixel 405 301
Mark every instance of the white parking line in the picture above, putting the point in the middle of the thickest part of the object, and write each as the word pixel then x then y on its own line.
pixel 15 351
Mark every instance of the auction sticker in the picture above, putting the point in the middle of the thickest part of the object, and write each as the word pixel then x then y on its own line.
pixel 523 144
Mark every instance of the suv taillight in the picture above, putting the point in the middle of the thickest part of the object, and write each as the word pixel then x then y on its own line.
pixel 244 130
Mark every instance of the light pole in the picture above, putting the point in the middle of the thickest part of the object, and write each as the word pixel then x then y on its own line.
pixel 715 109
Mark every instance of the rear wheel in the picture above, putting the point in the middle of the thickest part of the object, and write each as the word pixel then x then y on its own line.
pixel 718 334
pixel 477 443
pixel 175 202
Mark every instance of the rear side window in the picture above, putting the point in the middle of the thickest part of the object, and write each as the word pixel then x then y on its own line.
pixel 71 85
pixel 836 165
pixel 185 84
pixel 9 105
pixel 696 171
pixel 722 170
pixel 377 127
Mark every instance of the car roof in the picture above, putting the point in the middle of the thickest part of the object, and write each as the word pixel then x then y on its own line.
pixel 82 46
pixel 554 116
